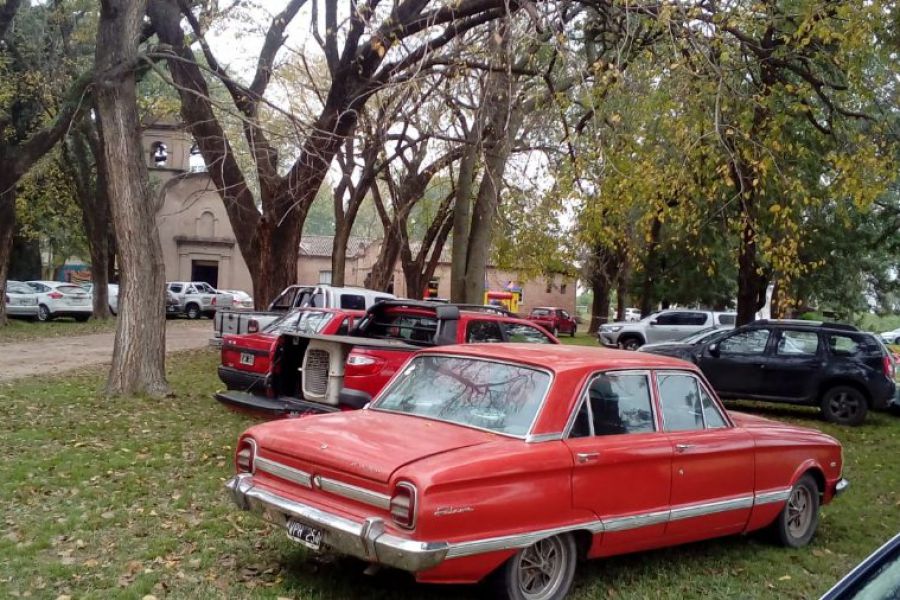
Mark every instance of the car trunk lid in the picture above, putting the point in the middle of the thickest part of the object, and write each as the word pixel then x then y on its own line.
pixel 369 444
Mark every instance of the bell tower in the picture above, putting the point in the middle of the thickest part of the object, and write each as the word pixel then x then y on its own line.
pixel 167 148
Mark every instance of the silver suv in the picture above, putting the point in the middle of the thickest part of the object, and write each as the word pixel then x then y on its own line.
pixel 664 326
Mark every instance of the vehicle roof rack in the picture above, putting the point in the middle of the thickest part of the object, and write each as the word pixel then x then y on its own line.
pixel 488 308
pixel 805 323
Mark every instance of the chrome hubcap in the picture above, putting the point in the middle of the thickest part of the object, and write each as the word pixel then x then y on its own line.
pixel 844 405
pixel 799 512
pixel 541 569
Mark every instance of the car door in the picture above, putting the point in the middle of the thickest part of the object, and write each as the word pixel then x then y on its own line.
pixel 621 461
pixel 736 364
pixel 712 464
pixel 796 357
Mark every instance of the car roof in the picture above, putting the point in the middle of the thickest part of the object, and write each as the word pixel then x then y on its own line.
pixel 562 358
pixel 803 324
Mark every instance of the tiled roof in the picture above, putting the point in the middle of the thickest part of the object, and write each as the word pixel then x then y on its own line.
pixel 320 245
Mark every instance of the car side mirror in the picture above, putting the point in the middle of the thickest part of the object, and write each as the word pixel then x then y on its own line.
pixel 714 349
pixel 652 322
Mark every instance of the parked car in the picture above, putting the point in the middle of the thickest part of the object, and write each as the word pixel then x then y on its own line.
pixel 877 577
pixel 554 319
pixel 512 462
pixel 198 298
pixel 112 295
pixel 241 299
pixel 173 304
pixel 685 347
pixel 632 314
pixel 891 337
pixel 21 300
pixel 250 360
pixel 297 296
pixel 60 299
pixel 329 373
pixel 664 326
pixel 836 367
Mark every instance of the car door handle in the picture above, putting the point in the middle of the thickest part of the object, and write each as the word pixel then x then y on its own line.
pixel 584 457
pixel 683 447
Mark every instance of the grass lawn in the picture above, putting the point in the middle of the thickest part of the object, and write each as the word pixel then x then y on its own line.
pixel 19 330
pixel 124 498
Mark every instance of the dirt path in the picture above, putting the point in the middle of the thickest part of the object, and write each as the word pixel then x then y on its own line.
pixel 54 355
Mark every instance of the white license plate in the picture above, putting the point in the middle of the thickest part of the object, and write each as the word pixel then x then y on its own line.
pixel 247 359
pixel 306 535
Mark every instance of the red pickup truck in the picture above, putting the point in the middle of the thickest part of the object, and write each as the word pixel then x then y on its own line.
pixel 249 360
pixel 319 373
pixel 554 319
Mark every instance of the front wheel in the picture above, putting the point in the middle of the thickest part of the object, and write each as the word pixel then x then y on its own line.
pixel 797 523
pixel 631 343
pixel 543 571
pixel 844 405
pixel 193 311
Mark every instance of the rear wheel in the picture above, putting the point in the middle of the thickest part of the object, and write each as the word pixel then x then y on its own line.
pixel 543 571
pixel 844 405
pixel 192 311
pixel 44 313
pixel 631 342
pixel 797 523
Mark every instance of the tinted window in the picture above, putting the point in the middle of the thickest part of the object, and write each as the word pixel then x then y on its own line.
pixel 745 342
pixel 693 318
pixel 483 331
pixel 18 288
pixel 353 302
pixel 344 327
pixel 582 425
pixel 176 287
pixel 854 345
pixel 798 343
pixel 729 319
pixel 501 397
pixel 620 404
pixel 714 418
pixel 411 328
pixel 667 319
pixel 525 334
pixel 680 399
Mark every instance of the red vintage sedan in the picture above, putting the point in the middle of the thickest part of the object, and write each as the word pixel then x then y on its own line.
pixel 512 461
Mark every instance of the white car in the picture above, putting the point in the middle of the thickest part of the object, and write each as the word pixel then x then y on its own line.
pixel 60 299
pixel 21 300
pixel 112 294
pixel 241 299
pixel 632 314
pixel 891 337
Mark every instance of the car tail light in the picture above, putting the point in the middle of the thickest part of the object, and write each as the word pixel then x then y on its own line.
pixel 213 301
pixel 358 360
pixel 888 364
pixel 55 295
pixel 252 326
pixel 362 364
pixel 245 456
pixel 403 505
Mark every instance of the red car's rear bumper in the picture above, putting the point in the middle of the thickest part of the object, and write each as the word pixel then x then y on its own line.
pixel 282 406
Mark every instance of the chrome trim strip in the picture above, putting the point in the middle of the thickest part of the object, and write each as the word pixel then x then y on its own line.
pixel 509 542
pixel 353 492
pixel 544 437
pixel 710 508
pixel 283 471
pixel 772 496
pixel 635 521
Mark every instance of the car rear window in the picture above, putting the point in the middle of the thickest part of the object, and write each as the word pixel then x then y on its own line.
pixel 540 312
pixel 524 334
pixel 413 328
pixel 71 289
pixel 850 345
pixel 353 302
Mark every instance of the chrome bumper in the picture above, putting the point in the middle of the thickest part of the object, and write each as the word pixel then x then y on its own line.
pixel 841 486
pixel 366 541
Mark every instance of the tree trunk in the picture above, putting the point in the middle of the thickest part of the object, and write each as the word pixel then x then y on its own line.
pixel 7 229
pixel 139 352
pixel 651 267
pixel 339 252
pixel 274 265
pixel 462 219
pixel 383 269
pixel 622 291
pixel 99 274
pixel 751 284
pixel 600 305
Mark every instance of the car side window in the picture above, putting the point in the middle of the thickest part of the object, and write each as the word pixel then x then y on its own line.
pixel 714 418
pixel 344 327
pixel 353 302
pixel 581 427
pixel 727 319
pixel 483 331
pixel 752 341
pixel 285 300
pixel 524 334
pixel 681 404
pixel 620 403
pixel 692 318
pixel 667 319
pixel 843 345
pixel 564 314
pixel 798 343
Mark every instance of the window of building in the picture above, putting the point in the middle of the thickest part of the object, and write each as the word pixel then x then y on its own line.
pixel 159 154
pixel 562 288
pixel 549 286
pixel 325 277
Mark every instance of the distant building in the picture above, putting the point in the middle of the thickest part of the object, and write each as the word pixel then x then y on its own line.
pixel 198 242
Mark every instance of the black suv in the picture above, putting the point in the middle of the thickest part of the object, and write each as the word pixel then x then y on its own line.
pixel 837 367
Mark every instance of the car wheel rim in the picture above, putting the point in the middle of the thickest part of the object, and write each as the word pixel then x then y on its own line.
pixel 844 405
pixel 799 512
pixel 541 569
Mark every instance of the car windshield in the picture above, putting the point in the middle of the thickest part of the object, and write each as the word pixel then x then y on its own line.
pixel 70 289
pixel 701 336
pixel 302 321
pixel 540 312
pixel 496 396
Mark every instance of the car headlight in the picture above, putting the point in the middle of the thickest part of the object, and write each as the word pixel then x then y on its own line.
pixel 613 328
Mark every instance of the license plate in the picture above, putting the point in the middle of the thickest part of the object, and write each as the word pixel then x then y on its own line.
pixel 247 359
pixel 306 535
